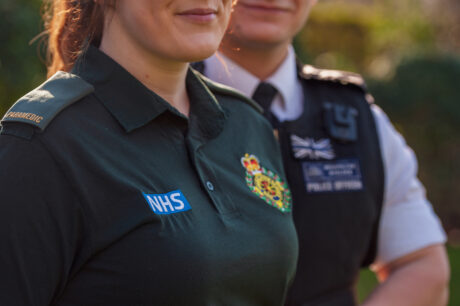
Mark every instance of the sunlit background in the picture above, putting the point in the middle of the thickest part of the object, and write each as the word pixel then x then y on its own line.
pixel 408 51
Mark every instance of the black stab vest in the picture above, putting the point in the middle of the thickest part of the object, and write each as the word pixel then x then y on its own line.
pixel 337 195
pixel 337 182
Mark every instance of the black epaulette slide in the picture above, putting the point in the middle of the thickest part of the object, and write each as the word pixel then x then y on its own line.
pixel 342 77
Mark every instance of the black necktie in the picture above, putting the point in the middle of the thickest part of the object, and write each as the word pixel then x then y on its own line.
pixel 264 95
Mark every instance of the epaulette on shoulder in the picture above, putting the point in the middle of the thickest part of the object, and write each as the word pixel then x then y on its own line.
pixel 40 106
pixel 342 77
pixel 217 88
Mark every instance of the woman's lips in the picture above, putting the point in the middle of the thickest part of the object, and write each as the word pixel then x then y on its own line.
pixel 199 15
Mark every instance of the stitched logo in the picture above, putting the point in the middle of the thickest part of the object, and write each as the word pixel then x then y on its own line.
pixel 332 176
pixel 266 184
pixel 309 148
pixel 167 203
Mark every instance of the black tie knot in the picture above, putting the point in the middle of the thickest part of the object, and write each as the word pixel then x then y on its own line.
pixel 264 95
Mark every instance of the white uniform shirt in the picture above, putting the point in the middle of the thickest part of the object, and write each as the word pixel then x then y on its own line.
pixel 408 222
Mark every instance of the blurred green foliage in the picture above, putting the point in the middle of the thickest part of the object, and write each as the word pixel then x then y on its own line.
pixel 369 39
pixel 454 259
pixel 20 67
pixel 423 100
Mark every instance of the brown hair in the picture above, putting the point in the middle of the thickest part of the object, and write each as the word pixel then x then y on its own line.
pixel 71 25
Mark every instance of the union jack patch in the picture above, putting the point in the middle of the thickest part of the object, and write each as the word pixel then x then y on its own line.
pixel 313 149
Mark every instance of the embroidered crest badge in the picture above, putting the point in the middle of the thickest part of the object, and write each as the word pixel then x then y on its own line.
pixel 309 148
pixel 266 184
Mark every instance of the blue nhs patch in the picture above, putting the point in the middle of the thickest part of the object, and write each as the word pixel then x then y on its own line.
pixel 167 203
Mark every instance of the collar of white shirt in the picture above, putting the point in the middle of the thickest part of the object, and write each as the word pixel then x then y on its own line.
pixel 287 104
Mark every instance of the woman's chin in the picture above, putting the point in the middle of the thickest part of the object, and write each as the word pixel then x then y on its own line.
pixel 199 53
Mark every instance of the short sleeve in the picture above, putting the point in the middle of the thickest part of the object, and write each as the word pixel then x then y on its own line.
pixel 40 224
pixel 408 222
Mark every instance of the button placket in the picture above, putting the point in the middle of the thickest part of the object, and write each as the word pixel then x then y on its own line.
pixel 203 167
pixel 209 180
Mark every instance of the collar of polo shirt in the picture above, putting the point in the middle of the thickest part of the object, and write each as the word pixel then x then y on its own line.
pixel 133 105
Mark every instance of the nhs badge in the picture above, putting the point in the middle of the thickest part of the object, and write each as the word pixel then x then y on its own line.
pixel 332 176
pixel 167 203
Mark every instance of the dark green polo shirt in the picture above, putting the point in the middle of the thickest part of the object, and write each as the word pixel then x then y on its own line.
pixel 118 199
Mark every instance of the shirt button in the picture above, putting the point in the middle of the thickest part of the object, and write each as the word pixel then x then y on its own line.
pixel 210 185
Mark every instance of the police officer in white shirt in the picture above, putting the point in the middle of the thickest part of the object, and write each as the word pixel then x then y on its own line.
pixel 357 199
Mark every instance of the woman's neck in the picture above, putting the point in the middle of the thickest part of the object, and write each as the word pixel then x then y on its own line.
pixel 165 77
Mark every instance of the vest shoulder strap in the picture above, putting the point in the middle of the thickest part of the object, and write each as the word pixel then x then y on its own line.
pixel 345 78
pixel 336 76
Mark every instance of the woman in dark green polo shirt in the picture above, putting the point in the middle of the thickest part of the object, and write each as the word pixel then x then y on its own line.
pixel 129 179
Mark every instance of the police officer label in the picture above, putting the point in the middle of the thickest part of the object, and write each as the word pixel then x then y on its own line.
pixel 167 203
pixel 332 176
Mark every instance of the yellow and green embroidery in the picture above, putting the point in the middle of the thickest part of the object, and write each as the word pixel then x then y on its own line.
pixel 266 184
